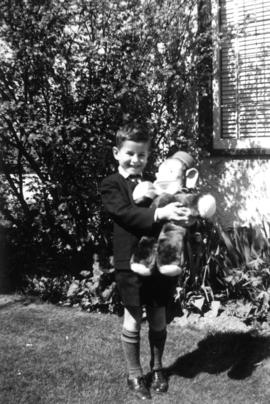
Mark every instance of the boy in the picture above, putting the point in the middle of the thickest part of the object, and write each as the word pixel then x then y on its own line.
pixel 130 223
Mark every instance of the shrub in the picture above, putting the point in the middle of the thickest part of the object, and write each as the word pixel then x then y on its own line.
pixel 71 73
pixel 217 272
pixel 92 290
pixel 248 268
pixel 228 266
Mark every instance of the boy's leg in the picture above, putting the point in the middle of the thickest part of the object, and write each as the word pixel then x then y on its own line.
pixel 131 340
pixel 157 339
pixel 131 347
pixel 157 334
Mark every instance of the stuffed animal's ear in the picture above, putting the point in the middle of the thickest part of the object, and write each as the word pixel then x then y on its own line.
pixel 192 176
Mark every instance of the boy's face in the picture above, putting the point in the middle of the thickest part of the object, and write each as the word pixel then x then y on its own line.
pixel 132 156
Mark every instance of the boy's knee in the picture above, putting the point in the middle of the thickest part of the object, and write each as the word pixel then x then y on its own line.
pixel 156 318
pixel 132 318
pixel 131 326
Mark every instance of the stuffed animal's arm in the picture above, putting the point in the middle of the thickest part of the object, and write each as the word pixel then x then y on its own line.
pixel 206 206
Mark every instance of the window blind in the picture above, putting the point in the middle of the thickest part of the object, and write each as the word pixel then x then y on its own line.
pixel 244 64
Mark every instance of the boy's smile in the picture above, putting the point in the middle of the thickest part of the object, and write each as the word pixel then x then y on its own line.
pixel 132 156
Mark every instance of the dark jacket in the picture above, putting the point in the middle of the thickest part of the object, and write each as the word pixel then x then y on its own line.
pixel 130 221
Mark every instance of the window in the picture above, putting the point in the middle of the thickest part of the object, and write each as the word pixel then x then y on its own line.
pixel 241 84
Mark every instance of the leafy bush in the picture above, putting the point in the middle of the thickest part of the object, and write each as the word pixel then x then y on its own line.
pixel 47 289
pixel 223 269
pixel 228 266
pixel 92 290
pixel 71 73
pixel 248 268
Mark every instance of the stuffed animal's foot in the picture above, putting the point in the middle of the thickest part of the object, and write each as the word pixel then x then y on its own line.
pixel 170 270
pixel 140 269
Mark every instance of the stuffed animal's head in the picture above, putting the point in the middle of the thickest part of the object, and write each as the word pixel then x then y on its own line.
pixel 173 175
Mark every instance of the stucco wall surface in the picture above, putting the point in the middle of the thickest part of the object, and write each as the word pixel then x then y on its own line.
pixel 241 187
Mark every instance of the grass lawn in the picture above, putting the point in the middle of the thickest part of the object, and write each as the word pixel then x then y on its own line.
pixel 59 355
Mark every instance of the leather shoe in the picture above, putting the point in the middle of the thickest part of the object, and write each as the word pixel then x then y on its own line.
pixel 159 381
pixel 138 387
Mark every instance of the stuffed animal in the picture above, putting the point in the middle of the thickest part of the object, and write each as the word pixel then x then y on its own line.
pixel 176 180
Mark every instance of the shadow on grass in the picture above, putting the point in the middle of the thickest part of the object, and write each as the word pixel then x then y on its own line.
pixel 237 353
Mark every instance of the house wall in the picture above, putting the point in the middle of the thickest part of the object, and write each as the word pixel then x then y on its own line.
pixel 241 187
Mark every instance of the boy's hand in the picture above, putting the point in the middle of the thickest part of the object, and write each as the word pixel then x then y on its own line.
pixel 175 211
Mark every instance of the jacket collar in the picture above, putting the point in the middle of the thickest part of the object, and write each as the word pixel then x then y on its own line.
pixel 124 174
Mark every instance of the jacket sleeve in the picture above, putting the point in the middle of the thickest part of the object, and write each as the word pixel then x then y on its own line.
pixel 123 210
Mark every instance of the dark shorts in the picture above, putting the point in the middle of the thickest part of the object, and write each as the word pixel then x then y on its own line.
pixel 156 290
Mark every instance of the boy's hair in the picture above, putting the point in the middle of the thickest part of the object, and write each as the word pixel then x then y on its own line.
pixel 134 132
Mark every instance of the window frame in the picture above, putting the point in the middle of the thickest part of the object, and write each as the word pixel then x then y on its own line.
pixel 251 145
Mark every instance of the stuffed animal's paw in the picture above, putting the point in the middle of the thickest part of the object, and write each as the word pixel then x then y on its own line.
pixel 140 269
pixel 207 206
pixel 170 270
pixel 144 190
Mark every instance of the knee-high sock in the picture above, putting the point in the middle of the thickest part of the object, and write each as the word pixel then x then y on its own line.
pixel 157 341
pixel 131 347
